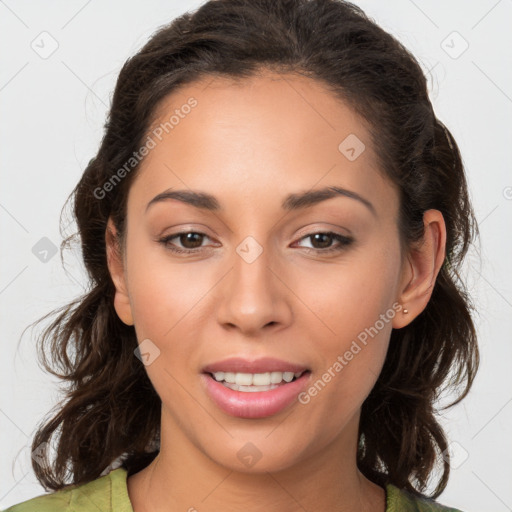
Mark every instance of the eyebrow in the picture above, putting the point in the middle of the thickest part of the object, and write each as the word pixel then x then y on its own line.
pixel 297 201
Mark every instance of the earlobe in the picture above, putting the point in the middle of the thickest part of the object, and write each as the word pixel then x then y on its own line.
pixel 117 273
pixel 423 263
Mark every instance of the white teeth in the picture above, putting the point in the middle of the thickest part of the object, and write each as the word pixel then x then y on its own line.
pixel 288 376
pixel 243 379
pixel 276 377
pixel 261 379
pixel 229 377
pixel 250 389
pixel 255 379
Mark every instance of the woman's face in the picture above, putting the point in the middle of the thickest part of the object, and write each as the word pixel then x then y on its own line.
pixel 312 284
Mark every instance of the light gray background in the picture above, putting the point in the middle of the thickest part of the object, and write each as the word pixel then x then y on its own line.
pixel 52 114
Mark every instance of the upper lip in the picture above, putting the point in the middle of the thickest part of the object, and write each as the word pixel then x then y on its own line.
pixel 262 365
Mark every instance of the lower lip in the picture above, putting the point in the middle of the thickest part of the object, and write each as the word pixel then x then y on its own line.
pixel 258 404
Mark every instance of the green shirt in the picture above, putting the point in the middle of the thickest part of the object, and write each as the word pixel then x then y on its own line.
pixel 109 493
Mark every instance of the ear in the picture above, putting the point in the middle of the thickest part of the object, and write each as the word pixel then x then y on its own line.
pixel 421 268
pixel 117 272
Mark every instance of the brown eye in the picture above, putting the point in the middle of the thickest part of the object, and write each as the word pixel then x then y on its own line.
pixel 190 242
pixel 322 242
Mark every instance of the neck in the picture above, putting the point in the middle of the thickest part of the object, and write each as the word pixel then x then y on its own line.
pixel 182 477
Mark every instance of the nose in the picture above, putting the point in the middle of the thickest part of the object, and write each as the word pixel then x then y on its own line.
pixel 254 297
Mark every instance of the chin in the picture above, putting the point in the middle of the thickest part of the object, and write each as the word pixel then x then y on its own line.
pixel 257 456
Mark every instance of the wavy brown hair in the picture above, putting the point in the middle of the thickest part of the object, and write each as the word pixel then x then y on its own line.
pixel 111 413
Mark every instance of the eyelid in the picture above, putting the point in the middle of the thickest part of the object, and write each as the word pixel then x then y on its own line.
pixel 325 228
pixel 176 234
pixel 343 241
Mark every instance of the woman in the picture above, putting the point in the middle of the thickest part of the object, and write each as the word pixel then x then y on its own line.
pixel 273 227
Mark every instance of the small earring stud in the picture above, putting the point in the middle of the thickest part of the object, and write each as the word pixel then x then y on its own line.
pixel 406 311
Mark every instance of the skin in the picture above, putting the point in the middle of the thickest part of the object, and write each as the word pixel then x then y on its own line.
pixel 250 145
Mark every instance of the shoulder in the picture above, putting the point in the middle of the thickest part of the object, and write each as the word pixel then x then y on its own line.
pixel 54 502
pixel 399 500
pixel 107 493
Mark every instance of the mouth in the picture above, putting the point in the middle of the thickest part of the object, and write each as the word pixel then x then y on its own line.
pixel 254 389
pixel 255 382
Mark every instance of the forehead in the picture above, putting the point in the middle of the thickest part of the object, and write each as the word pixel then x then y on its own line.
pixel 269 106
pixel 259 134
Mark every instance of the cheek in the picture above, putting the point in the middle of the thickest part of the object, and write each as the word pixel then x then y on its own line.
pixel 352 360
pixel 353 309
pixel 170 303
pixel 349 296
pixel 166 301
pixel 163 293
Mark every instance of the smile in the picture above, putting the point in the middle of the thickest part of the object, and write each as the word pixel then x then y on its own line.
pixel 253 401
pixel 254 382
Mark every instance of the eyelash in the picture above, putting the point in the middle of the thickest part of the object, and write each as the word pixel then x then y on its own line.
pixel 344 242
